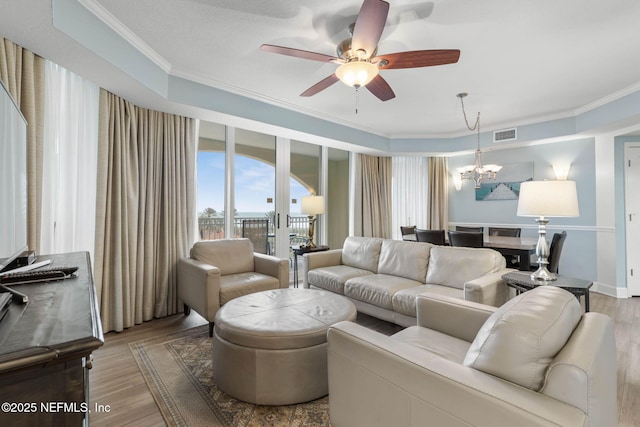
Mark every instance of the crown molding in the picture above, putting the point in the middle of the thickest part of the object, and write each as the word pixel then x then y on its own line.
pixel 608 99
pixel 123 31
pixel 236 90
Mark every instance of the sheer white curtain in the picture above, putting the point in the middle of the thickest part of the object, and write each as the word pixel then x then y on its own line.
pixel 69 162
pixel 409 193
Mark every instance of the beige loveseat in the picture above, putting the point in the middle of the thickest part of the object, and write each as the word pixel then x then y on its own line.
pixel 383 277
pixel 218 271
pixel 535 361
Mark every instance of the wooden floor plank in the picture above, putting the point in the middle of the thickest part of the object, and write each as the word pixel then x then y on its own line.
pixel 115 379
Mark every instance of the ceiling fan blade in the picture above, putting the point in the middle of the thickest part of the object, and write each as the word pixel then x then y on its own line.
pixel 369 26
pixel 298 53
pixel 321 85
pixel 380 88
pixel 418 58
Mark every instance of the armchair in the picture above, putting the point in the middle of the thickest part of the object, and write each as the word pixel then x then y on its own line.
pixel 535 361
pixel 219 270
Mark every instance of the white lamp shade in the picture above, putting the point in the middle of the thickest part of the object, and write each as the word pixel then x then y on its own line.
pixel 312 205
pixel 548 198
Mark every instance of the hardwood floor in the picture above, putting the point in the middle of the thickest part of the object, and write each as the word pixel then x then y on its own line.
pixel 116 381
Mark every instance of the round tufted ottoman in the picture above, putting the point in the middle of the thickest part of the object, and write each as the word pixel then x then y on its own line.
pixel 270 347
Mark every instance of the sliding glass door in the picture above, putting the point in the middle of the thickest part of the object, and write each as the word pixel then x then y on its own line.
pixel 305 163
pixel 255 189
pixel 210 181
pixel 251 185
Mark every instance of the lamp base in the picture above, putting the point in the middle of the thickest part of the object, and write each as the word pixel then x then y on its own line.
pixel 542 251
pixel 311 221
pixel 543 275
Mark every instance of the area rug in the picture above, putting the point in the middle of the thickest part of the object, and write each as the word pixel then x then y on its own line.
pixel 177 369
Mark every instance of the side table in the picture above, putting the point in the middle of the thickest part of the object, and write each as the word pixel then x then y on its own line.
pixel 522 282
pixel 299 251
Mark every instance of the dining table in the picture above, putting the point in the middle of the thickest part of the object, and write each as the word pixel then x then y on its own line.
pixel 522 247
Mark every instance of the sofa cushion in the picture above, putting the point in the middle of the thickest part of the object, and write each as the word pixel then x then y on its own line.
pixel 404 301
pixel 377 289
pixel 453 266
pixel 518 342
pixel 404 259
pixel 333 278
pixel 362 252
pixel 230 256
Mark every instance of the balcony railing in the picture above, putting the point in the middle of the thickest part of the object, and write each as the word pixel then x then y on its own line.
pixel 212 228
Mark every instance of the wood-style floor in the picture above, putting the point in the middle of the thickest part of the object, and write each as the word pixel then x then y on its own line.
pixel 116 381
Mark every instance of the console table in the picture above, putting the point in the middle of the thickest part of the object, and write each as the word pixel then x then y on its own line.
pixel 299 251
pixel 523 282
pixel 46 346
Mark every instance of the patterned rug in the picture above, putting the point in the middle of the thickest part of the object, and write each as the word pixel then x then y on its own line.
pixel 177 369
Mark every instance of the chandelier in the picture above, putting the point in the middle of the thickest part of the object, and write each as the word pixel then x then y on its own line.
pixel 476 172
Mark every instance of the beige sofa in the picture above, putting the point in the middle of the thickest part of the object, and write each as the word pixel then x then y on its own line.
pixel 383 277
pixel 535 361
pixel 218 271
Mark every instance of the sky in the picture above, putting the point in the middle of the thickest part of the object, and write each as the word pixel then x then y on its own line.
pixel 254 182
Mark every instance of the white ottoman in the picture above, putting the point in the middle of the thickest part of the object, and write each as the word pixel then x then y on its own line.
pixel 270 347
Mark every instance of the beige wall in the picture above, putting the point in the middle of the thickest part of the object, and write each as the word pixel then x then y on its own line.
pixel 338 203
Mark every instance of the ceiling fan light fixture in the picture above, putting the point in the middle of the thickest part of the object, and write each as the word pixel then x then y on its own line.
pixel 357 73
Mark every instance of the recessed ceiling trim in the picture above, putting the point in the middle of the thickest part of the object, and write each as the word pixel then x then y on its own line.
pixel 123 31
pixel 607 99
pixel 258 97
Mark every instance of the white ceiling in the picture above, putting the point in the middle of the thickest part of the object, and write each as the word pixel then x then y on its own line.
pixel 521 61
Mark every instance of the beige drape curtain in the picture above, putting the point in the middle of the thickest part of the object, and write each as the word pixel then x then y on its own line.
pixel 22 72
pixel 374 194
pixel 438 194
pixel 145 210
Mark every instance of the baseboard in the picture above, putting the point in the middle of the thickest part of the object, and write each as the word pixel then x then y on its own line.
pixel 609 290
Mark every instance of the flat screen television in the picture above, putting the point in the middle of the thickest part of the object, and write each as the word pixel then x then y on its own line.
pixel 13 179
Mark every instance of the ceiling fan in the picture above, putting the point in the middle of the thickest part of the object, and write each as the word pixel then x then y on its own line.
pixel 359 64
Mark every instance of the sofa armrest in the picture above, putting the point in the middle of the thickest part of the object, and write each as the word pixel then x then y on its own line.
pixel 583 374
pixel 272 266
pixel 377 381
pixel 489 289
pixel 323 259
pixel 451 316
pixel 199 286
pixel 319 259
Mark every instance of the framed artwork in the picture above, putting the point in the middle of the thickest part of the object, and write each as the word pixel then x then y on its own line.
pixel 506 186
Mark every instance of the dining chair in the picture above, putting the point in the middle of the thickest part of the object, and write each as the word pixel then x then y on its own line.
pixel 257 230
pixel 555 250
pixel 406 230
pixel 437 237
pixel 473 229
pixel 512 260
pixel 503 231
pixel 470 239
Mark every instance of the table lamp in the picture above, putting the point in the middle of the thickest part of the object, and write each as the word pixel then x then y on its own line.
pixel 544 199
pixel 312 205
